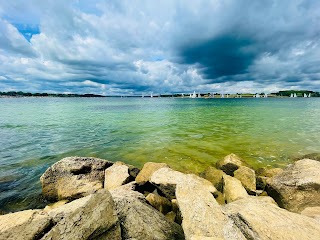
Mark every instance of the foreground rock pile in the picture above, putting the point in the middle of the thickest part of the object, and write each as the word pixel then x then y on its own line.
pixel 98 199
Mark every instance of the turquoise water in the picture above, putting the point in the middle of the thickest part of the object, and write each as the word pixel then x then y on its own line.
pixel 188 134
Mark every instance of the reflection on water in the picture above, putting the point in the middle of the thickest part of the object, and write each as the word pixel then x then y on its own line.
pixel 188 134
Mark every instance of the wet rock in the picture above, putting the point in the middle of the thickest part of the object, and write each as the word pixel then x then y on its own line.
pixel 298 186
pixel 116 175
pixel 139 220
pixel 260 219
pixel 214 176
pixel 247 177
pixel 233 189
pixel 313 156
pixel 263 174
pixel 24 225
pixel 171 216
pixel 89 217
pixel 230 163
pixel 166 180
pixel 202 217
pixel 148 169
pixel 73 177
pixel 162 204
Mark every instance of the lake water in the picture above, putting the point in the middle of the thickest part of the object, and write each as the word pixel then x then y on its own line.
pixel 188 134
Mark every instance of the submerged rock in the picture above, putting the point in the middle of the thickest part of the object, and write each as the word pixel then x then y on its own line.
pixel 298 186
pixel 247 177
pixel 140 221
pixel 73 177
pixel 260 219
pixel 230 163
pixel 233 189
pixel 148 169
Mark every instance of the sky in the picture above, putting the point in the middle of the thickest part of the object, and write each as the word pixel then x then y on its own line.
pixel 129 47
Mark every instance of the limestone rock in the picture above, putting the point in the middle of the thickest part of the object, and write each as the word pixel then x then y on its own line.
pixel 263 174
pixel 171 216
pixel 148 169
pixel 313 156
pixel 313 212
pixel 247 177
pixel 233 189
pixel 202 217
pixel 214 176
pixel 55 205
pixel 73 177
pixel 298 186
pixel 162 204
pixel 259 219
pixel 85 218
pixel 166 180
pixel 138 220
pixel 230 163
pixel 24 225
pixel 116 175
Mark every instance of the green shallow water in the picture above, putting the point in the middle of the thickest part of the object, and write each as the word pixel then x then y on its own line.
pixel 188 134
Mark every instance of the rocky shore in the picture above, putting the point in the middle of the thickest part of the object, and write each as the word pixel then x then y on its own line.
pixel 97 199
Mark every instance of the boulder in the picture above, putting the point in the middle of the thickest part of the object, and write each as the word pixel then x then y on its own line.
pixel 89 217
pixel 166 179
pixel 247 177
pixel 260 219
pixel 263 174
pixel 313 212
pixel 297 187
pixel 313 156
pixel 230 163
pixel 162 204
pixel 214 176
pixel 202 217
pixel 73 177
pixel 116 175
pixel 148 169
pixel 24 225
pixel 138 220
pixel 233 189
pixel 55 205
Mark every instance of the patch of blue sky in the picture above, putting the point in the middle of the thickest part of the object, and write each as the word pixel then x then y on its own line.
pixel 28 30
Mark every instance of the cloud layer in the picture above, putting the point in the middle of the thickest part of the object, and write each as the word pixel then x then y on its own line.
pixel 134 47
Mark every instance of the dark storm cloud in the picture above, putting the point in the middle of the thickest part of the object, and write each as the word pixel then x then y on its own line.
pixel 221 56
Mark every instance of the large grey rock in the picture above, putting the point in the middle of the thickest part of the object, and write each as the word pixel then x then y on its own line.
pixel 247 177
pixel 167 179
pixel 215 176
pixel 73 177
pixel 138 220
pixel 148 169
pixel 230 163
pixel 202 217
pixel 298 186
pixel 233 189
pixel 89 217
pixel 261 219
pixel 116 175
pixel 24 225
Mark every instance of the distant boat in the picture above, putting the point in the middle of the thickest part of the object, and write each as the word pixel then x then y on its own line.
pixel 199 95
pixel 309 95
pixel 257 95
pixel 194 95
pixel 291 95
pixel 294 95
pixel 222 95
pixel 227 95
pixel 265 95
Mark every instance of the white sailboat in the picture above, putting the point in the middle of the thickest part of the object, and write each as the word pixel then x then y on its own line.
pixel 151 95
pixel 265 95
pixel 294 95
pixel 194 95
pixel 291 95
pixel 222 95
